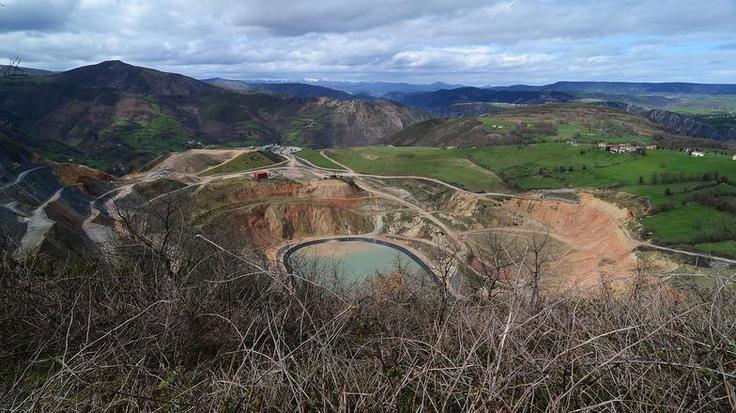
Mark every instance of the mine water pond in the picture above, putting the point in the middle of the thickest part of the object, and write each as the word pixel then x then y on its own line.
pixel 353 261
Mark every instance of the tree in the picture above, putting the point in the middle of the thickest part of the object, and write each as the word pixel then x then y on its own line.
pixel 11 69
pixel 496 258
pixel 538 258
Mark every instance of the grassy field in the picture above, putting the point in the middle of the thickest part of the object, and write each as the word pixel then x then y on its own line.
pixel 670 180
pixel 316 158
pixel 491 124
pixel 245 162
pixel 447 165
pixel 555 165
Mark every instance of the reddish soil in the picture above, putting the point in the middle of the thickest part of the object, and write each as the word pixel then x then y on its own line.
pixel 70 174
pixel 290 210
pixel 599 247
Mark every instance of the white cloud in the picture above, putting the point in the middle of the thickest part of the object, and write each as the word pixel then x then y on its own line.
pixel 471 41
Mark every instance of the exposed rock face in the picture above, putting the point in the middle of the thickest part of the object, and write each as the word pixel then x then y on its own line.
pixel 288 210
pixel 684 125
pixel 360 122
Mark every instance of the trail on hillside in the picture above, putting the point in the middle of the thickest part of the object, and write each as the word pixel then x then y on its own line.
pixel 38 224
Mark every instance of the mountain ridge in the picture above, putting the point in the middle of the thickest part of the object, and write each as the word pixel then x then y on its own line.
pixel 115 116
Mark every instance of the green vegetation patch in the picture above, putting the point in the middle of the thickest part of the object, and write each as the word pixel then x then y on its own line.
pixel 150 190
pixel 691 224
pixel 550 165
pixel 449 166
pixel 161 134
pixel 491 124
pixel 727 248
pixel 315 157
pixel 304 126
pixel 245 162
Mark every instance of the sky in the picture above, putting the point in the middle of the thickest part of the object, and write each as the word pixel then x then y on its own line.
pixel 473 42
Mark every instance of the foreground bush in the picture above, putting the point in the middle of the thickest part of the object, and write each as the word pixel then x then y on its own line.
pixel 140 332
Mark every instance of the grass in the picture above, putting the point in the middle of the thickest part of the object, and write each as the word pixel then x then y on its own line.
pixel 161 134
pixel 245 162
pixel 302 127
pixel 575 131
pixel 720 248
pixel 688 224
pixel 315 157
pixel 450 166
pixel 149 190
pixel 549 165
pixel 492 124
pixel 676 218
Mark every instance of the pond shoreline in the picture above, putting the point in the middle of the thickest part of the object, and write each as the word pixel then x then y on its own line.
pixel 291 249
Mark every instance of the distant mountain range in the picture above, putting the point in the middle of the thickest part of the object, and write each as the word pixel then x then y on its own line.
pixel 383 89
pixel 299 90
pixel 454 102
pixel 115 116
pixel 6 70
pixel 327 88
pixel 627 88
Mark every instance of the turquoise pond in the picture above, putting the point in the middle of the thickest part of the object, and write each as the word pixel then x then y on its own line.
pixel 351 261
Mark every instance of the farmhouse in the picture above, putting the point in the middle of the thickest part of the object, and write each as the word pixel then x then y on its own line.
pixel 695 153
pixel 260 175
pixel 193 144
pixel 621 147
pixel 624 148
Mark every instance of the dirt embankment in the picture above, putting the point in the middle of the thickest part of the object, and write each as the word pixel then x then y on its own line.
pixel 197 160
pixel 599 247
pixel 289 210
pixel 93 182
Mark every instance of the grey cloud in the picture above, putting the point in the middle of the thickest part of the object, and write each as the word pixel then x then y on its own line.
pixel 35 14
pixel 471 41
pixel 286 17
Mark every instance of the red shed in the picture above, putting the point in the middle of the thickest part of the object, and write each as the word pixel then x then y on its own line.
pixel 260 175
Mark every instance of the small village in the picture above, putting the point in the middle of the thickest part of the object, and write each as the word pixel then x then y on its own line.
pixel 630 148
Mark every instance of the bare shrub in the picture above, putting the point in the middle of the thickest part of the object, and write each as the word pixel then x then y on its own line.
pixel 208 326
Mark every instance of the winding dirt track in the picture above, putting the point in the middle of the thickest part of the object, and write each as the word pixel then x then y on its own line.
pixel 21 176
pixel 38 224
pixel 601 245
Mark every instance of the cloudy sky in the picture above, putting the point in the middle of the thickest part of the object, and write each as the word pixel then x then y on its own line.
pixel 463 41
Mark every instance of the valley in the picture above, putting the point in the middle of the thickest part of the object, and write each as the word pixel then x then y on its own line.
pixel 443 205
pixel 367 206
